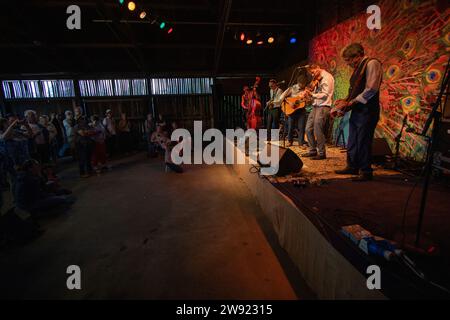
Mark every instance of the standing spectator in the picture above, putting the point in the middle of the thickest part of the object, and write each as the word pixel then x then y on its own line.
pixel 16 140
pixel 149 128
pixel 110 127
pixel 52 133
pixel 78 113
pixel 124 129
pixel 84 146
pixel 69 124
pixel 39 141
pixel 99 154
pixel 10 150
pixel 55 119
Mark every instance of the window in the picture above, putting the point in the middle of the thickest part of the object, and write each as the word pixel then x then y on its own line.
pixel 32 89
pixel 113 87
pixel 180 86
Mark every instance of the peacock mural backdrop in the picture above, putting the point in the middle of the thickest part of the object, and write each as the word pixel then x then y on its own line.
pixel 413 45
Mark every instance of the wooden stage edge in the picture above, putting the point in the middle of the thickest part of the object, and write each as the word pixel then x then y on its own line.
pixel 326 271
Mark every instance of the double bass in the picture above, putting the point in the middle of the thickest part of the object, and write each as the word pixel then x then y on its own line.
pixel 252 103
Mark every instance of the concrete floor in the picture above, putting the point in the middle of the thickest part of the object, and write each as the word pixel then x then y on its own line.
pixel 140 233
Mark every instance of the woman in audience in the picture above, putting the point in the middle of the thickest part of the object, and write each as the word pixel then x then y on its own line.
pixel 124 129
pixel 69 124
pixel 84 145
pixel 110 126
pixel 39 147
pixel 99 154
pixel 52 133
pixel 55 119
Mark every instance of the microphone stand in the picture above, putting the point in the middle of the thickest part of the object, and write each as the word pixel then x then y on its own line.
pixel 290 84
pixel 398 140
pixel 435 118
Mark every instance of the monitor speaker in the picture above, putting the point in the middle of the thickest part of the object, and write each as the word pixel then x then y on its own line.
pixel 290 162
pixel 380 149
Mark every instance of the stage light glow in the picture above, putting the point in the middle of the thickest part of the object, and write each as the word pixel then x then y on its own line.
pixel 271 40
pixel 293 40
pixel 242 36
pixel 143 15
pixel 131 6
pixel 170 31
pixel 249 41
pixel 162 25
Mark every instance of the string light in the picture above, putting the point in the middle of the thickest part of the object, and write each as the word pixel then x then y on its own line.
pixel 131 6
pixel 271 40
pixel 249 41
pixel 162 25
pixel 143 15
pixel 242 36
pixel 170 31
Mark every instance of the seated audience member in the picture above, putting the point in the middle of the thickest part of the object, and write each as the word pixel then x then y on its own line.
pixel 157 140
pixel 169 145
pixel 99 154
pixel 30 193
pixel 84 145
pixel 161 122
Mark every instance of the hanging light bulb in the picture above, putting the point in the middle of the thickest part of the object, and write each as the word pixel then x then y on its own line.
pixel 143 15
pixel 242 37
pixel 271 40
pixel 131 6
pixel 249 41
pixel 162 25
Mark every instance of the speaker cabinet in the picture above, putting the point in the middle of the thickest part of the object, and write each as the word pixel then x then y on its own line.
pixel 290 162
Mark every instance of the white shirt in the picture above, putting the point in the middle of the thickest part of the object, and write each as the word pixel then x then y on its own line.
pixel 323 96
pixel 37 133
pixel 275 97
pixel 109 124
pixel 293 91
pixel 70 134
pixel 374 75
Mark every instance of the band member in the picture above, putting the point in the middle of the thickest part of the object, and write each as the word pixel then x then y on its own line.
pixel 299 116
pixel 364 101
pixel 322 97
pixel 251 102
pixel 274 106
pixel 245 102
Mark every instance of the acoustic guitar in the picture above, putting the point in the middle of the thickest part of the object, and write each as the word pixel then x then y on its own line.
pixel 292 104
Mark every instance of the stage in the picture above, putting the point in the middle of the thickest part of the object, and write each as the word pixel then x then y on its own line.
pixel 308 215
